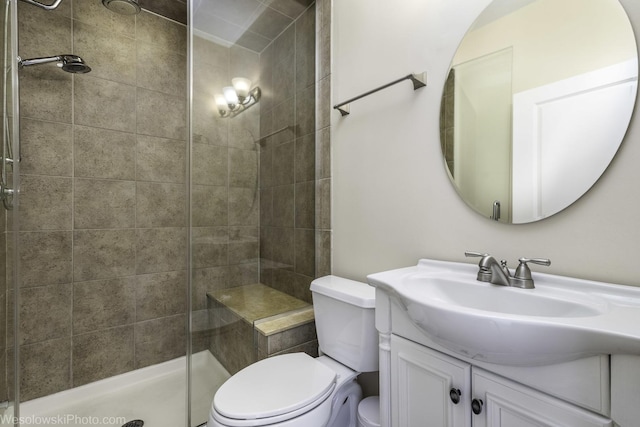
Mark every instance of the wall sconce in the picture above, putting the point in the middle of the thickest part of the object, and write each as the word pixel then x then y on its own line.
pixel 237 98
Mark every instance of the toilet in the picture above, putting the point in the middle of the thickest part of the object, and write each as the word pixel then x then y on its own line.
pixel 297 390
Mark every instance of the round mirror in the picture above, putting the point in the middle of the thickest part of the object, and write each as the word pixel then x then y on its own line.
pixel 537 102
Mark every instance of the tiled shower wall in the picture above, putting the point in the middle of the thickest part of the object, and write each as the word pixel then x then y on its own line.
pixel 287 159
pixel 103 212
pixel 225 205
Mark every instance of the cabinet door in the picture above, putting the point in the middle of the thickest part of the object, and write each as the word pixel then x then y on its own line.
pixel 509 404
pixel 422 381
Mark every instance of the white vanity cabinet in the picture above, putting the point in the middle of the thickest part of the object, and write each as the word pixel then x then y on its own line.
pixel 429 388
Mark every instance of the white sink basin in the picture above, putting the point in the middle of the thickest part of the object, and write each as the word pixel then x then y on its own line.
pixel 561 319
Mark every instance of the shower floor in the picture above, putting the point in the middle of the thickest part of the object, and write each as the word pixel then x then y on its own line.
pixel 155 394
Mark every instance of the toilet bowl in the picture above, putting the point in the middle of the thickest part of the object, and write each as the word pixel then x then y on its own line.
pixel 297 390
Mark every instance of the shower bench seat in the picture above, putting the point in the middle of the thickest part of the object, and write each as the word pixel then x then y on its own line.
pixel 255 321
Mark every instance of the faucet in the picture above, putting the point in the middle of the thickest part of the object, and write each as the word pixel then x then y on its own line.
pixel 498 273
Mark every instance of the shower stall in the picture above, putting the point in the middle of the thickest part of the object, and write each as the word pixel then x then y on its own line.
pixel 165 186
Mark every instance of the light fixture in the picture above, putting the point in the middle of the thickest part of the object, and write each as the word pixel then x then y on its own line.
pixel 237 98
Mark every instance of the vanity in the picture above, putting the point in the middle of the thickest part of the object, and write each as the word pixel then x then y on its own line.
pixel 460 352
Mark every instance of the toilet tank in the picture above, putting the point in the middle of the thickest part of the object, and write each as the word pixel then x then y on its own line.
pixel 345 321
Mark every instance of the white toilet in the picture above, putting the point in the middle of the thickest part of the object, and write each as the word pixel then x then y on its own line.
pixel 296 390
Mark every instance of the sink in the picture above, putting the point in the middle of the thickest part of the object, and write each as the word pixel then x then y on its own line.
pixel 562 319
pixel 498 299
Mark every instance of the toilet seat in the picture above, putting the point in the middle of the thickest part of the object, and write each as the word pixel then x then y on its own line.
pixel 273 390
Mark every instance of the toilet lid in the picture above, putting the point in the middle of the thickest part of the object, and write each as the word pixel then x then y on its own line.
pixel 274 386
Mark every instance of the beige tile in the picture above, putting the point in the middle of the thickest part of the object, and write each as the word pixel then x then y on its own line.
pixel 324 53
pixel 323 153
pixel 210 164
pixel 284 87
pixel 243 168
pixel 102 354
pixel 154 29
pixel 161 115
pixel 161 249
pixel 160 294
pixel 284 247
pixel 209 205
pixel 323 204
pixel 305 205
pixel 323 253
pixel 45 257
pixel 244 274
pixel 244 206
pixel 208 52
pixel 102 153
pixel 94 13
pixel 160 204
pixel 291 8
pixel 270 23
pixel 323 104
pixel 305 158
pixel 244 252
pixel 160 69
pixel 284 117
pixel 306 110
pixel 45 313
pixel 283 164
pixel 283 206
pixel 266 207
pixel 244 129
pixel 101 304
pixel 104 104
pixel 159 340
pixel 210 246
pixel 207 280
pixel 45 203
pixel 256 301
pixel 305 254
pixel 266 167
pixel 45 94
pixel 160 159
pixel 103 254
pixel 102 203
pixel 110 55
pixel 46 148
pixel 284 48
pixel 306 49
pixel 52 357
pixel 43 33
pixel 175 10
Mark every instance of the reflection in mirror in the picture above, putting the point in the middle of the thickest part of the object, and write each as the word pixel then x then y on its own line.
pixel 537 102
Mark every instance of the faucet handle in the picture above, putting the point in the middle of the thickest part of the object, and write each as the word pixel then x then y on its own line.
pixel 474 254
pixel 523 272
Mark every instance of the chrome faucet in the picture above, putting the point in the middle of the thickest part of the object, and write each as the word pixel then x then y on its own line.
pixel 498 273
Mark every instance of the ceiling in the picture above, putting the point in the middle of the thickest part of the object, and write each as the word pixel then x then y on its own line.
pixel 253 24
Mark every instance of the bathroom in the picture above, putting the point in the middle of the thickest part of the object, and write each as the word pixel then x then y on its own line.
pixel 380 197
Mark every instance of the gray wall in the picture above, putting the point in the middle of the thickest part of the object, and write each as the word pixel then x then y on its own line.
pixel 102 246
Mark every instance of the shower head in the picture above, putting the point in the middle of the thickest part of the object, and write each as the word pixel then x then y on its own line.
pixel 69 63
pixel 123 7
pixel 73 64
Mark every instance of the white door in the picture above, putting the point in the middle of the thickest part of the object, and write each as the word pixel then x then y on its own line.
pixel 425 385
pixel 504 403
pixel 563 139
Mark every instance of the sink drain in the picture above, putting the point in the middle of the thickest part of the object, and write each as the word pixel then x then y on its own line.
pixel 134 423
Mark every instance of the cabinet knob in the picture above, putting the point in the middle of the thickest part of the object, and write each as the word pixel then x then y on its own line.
pixel 476 406
pixel 454 395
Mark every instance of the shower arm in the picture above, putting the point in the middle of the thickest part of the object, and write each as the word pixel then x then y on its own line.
pixel 52 6
pixel 38 61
